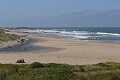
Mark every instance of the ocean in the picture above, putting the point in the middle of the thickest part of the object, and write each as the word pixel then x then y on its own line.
pixel 98 34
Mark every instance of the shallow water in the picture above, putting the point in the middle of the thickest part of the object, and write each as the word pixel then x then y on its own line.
pixel 26 47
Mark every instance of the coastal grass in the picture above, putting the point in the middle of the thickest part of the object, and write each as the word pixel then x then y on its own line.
pixel 7 37
pixel 52 71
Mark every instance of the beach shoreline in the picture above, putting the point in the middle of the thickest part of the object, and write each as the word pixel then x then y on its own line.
pixel 70 52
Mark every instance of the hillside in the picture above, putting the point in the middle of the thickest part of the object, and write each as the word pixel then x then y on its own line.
pixel 7 37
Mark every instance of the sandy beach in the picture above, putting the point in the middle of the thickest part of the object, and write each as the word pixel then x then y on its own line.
pixel 67 52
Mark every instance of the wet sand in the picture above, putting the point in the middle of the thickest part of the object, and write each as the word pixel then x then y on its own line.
pixel 68 52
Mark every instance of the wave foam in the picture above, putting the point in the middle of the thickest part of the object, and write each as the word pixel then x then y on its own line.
pixel 73 34
pixel 82 37
pixel 101 33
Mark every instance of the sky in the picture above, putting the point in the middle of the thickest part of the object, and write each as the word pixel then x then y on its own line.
pixel 59 13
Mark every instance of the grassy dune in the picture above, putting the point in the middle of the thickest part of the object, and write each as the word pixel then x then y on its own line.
pixel 7 37
pixel 38 71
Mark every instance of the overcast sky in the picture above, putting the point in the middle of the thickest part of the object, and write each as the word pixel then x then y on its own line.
pixel 59 13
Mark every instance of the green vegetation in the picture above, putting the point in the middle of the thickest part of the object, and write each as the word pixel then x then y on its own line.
pixel 52 71
pixel 7 37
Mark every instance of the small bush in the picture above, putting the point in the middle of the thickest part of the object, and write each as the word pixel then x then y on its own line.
pixel 2 75
pixel 36 65
pixel 82 69
pixel 54 65
pixel 13 69
pixel 102 65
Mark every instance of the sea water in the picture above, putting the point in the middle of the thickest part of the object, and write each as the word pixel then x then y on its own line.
pixel 99 34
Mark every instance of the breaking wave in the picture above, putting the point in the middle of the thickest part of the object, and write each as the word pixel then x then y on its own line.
pixel 76 35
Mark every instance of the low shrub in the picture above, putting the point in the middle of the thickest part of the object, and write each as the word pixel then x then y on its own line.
pixel 36 65
pixel 52 71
